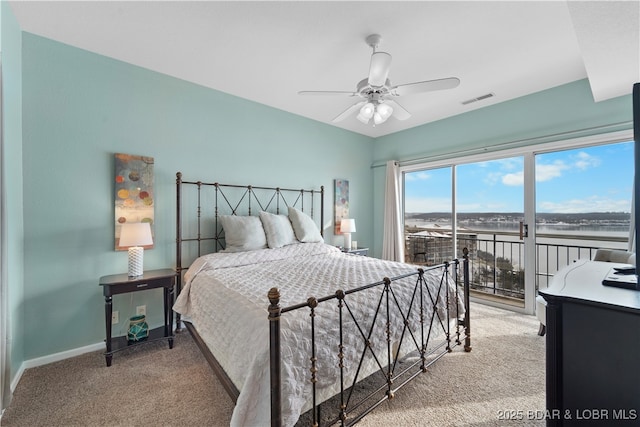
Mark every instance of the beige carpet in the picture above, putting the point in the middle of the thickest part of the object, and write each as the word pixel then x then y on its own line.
pixel 152 385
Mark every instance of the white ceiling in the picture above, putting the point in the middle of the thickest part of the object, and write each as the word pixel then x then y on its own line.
pixel 267 51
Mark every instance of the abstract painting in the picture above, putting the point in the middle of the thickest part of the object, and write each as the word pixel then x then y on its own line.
pixel 341 202
pixel 134 198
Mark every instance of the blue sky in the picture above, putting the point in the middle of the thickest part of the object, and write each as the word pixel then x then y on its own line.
pixel 592 179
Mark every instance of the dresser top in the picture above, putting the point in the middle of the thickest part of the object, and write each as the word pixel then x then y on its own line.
pixel 582 282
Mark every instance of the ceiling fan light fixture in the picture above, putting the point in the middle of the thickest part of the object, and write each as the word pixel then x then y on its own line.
pixel 376 91
pixel 384 110
pixel 362 118
pixel 380 112
pixel 367 110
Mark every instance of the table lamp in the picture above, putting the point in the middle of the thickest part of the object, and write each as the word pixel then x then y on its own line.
pixel 134 236
pixel 347 226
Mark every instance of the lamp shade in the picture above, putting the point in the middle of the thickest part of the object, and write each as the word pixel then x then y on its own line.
pixel 135 234
pixel 348 225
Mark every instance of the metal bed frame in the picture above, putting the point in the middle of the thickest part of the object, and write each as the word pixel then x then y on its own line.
pixel 206 236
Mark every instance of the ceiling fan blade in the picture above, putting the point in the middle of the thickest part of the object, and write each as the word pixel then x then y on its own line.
pixel 346 113
pixel 379 68
pixel 399 112
pixel 426 86
pixel 326 92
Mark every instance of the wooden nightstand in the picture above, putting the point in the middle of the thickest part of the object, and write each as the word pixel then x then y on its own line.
pixel 122 283
pixel 359 251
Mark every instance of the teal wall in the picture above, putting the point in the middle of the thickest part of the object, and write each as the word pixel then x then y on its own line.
pixel 67 111
pixel 79 109
pixel 558 111
pixel 12 176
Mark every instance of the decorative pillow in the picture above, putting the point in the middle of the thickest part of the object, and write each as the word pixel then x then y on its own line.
pixel 303 225
pixel 278 230
pixel 243 233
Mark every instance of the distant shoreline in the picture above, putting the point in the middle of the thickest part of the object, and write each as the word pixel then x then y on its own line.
pixel 597 227
pixel 509 221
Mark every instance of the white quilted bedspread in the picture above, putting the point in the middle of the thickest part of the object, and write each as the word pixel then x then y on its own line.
pixel 225 297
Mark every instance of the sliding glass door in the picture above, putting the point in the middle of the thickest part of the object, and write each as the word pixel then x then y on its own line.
pixel 523 214
pixel 428 219
pixel 478 206
pixel 583 202
pixel 490 214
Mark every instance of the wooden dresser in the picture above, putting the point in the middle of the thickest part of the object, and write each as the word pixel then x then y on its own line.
pixel 592 349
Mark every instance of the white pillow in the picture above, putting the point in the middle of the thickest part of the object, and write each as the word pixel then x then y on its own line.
pixel 278 230
pixel 243 233
pixel 303 225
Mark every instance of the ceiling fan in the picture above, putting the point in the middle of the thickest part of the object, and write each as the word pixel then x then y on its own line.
pixel 378 93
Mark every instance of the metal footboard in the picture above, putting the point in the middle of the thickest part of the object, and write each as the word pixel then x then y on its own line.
pixel 349 410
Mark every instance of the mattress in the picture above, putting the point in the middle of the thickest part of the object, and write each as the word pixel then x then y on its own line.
pixel 225 298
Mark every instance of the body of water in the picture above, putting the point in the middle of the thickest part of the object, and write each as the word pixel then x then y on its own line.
pixel 613 229
pixel 557 245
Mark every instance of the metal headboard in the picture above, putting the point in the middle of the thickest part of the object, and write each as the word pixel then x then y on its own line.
pixel 207 201
pixel 198 230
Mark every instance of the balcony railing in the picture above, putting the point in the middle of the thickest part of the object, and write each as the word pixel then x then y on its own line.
pixel 496 259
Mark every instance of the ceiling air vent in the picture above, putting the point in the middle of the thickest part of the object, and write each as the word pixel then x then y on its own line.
pixel 480 98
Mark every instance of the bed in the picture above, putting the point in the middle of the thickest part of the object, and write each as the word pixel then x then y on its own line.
pixel 296 330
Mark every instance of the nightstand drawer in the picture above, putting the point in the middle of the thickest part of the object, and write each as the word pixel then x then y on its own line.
pixel 121 283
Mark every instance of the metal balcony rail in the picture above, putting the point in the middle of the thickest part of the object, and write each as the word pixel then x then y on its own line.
pixel 496 259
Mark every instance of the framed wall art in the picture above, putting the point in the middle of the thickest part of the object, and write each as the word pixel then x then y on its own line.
pixel 134 197
pixel 341 209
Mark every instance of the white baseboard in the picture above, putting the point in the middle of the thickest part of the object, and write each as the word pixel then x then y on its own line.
pixel 16 379
pixel 45 360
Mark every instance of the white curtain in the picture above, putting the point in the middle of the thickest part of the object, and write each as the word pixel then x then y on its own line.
pixel 5 348
pixel 392 239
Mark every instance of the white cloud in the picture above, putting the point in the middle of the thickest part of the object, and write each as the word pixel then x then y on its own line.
pixel 492 178
pixel 590 204
pixel 584 161
pixel 547 172
pixel 444 205
pixel 513 179
pixel 550 171
pixel 417 176
pixel 510 163
pixel 426 204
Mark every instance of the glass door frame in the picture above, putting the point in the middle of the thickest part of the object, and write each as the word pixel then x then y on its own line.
pixel 528 153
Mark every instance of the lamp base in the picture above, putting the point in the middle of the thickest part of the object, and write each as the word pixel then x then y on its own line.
pixel 136 257
pixel 347 241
